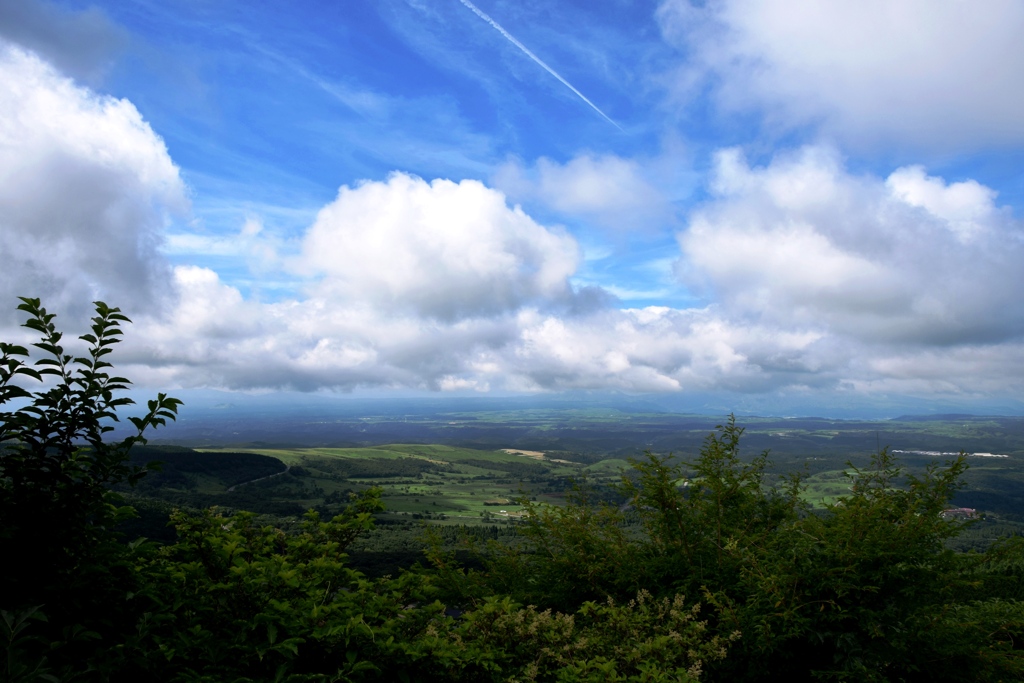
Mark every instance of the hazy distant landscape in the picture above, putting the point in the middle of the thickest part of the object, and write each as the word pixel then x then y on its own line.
pixel 444 462
pixel 607 428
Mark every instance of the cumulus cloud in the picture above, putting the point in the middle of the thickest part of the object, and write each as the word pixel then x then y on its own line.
pixel 85 189
pixel 653 349
pixel 939 73
pixel 409 284
pixel 79 43
pixel 442 250
pixel 801 243
pixel 887 272
pixel 607 190
pixel 218 339
pixel 822 281
pixel 442 286
pixel 966 207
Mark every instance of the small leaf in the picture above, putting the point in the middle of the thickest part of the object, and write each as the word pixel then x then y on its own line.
pixel 28 371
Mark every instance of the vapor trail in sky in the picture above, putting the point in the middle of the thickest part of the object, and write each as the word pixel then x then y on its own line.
pixel 526 50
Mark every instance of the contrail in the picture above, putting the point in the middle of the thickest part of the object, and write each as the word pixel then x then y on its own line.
pixel 477 11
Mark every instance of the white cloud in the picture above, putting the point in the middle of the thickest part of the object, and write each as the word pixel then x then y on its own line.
pixel 79 43
pixel 85 189
pixel 409 284
pixel 442 249
pixel 967 207
pixel 652 349
pixel 217 339
pixel 802 244
pixel 820 279
pixel 260 250
pixel 939 73
pixel 823 281
pixel 609 191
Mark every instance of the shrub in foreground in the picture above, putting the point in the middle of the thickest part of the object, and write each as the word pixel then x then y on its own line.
pixel 865 590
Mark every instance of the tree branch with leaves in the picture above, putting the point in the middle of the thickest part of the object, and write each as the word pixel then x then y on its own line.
pixel 58 512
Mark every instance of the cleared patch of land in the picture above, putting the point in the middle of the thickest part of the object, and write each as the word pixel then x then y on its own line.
pixel 529 454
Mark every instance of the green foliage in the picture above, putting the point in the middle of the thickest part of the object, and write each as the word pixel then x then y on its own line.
pixel 866 590
pixel 978 641
pixel 677 533
pixel 703 530
pixel 57 510
pixel 849 585
pixel 18 665
pixel 644 640
pixel 75 409
pixel 368 468
pixel 231 600
pixel 575 553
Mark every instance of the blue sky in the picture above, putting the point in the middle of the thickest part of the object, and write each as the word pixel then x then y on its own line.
pixel 771 203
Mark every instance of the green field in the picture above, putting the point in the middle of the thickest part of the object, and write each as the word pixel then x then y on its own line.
pixel 478 486
pixel 461 485
pixel 420 482
pixel 430 482
pixel 826 487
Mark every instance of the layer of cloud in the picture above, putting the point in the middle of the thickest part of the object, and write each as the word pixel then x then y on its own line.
pixel 81 43
pixel 217 339
pixel 939 73
pixel 822 280
pixel 408 284
pixel 85 189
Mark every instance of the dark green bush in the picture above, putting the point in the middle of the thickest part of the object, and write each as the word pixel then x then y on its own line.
pixel 866 590
pixel 57 470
